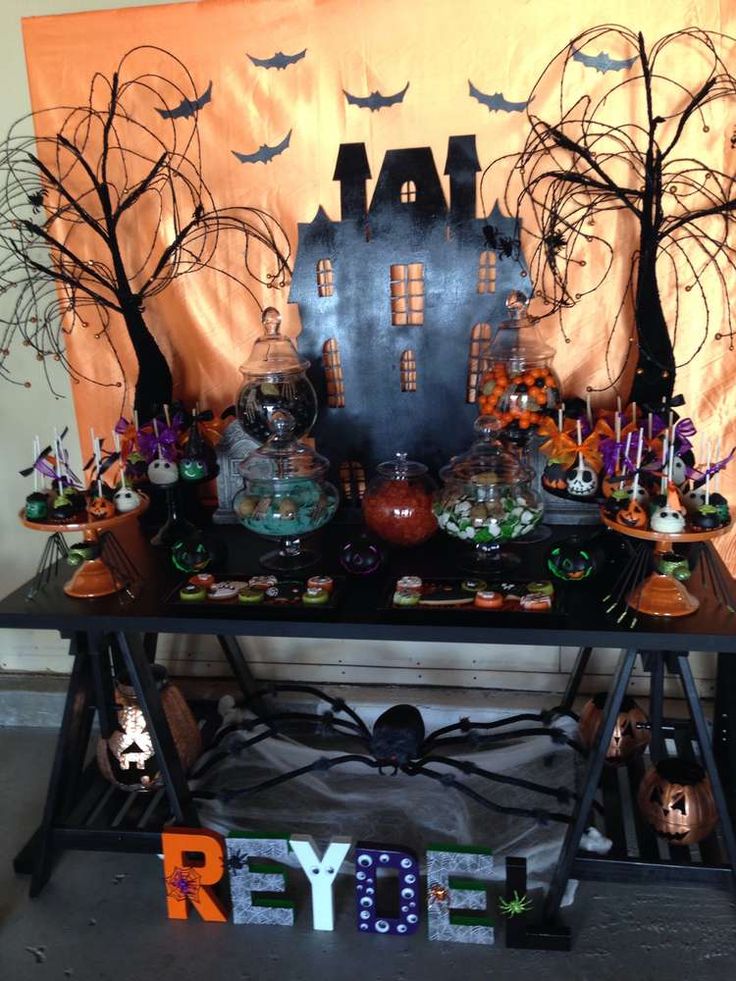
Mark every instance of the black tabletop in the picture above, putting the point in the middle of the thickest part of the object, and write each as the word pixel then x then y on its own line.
pixel 363 610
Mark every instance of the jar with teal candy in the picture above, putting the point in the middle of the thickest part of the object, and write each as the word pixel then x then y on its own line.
pixel 285 494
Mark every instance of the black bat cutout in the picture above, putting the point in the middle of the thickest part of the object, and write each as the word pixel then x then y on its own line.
pixel 187 107
pixel 375 100
pixel 496 102
pixel 279 60
pixel 264 154
pixel 603 62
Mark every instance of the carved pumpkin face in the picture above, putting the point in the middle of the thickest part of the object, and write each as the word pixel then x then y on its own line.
pixel 629 734
pixel 633 516
pixel 99 508
pixel 675 797
pixel 570 561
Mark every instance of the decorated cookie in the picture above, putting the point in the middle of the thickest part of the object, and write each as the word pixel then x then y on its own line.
pixel 536 602
pixel 486 599
pixel 410 583
pixel 473 585
pixel 191 593
pixel 406 597
pixel 250 596
pixel 262 582
pixel 314 596
pixel 225 590
pixel 542 588
pixel 321 582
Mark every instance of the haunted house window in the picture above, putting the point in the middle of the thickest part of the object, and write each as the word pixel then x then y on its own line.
pixel 480 337
pixel 408 192
pixel 332 364
pixel 407 294
pixel 325 281
pixel 352 481
pixel 408 367
pixel 487 272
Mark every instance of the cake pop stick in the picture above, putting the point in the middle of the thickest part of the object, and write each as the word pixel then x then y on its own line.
pixel 617 434
pixel 635 485
pixel 627 449
pixel 707 472
pixel 560 415
pixel 663 478
pixel 588 409
pixel 633 414
pixel 579 430
pixel 167 417
pixel 717 474
pixel 650 419
pixel 671 464
pixel 98 466
pixel 35 469
pixel 57 456
pixel 135 420
pixel 158 444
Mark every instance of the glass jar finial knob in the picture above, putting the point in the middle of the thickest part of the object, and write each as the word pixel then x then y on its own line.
pixel 271 320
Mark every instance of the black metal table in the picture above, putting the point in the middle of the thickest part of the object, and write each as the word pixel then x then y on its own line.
pixel 83 812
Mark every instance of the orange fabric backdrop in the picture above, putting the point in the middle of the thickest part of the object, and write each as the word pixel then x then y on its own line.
pixel 204 324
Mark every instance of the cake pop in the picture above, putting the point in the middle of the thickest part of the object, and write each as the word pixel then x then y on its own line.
pixel 669 519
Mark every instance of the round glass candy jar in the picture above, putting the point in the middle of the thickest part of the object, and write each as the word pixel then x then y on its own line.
pixel 487 496
pixel 275 380
pixel 285 495
pixel 397 505
pixel 516 383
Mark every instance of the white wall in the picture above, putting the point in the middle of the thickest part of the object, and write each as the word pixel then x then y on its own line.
pixel 26 412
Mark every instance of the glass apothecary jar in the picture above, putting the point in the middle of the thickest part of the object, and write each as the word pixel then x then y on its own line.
pixel 275 380
pixel 487 497
pixel 398 502
pixel 516 383
pixel 285 494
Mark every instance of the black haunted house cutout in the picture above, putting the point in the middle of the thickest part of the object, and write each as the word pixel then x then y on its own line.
pixel 395 301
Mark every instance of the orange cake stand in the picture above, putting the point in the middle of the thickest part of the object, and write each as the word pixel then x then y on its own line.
pixel 660 595
pixel 94 577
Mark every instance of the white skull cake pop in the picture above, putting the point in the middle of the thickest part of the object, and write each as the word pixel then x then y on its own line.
pixel 126 499
pixel 667 520
pixel 582 480
pixel 162 472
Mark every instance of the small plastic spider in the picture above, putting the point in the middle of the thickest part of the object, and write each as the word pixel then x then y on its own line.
pixel 516 906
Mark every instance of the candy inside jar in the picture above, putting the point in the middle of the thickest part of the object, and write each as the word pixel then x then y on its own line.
pixel 517 384
pixel 285 495
pixel 275 380
pixel 487 496
pixel 398 502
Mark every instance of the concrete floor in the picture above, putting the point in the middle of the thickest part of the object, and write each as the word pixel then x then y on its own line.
pixel 102 918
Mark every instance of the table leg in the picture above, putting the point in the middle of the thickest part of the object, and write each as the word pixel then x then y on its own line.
pixel 141 677
pixel 581 663
pixel 656 705
pixel 102 676
pixel 701 730
pixel 724 722
pixel 239 667
pixel 71 747
pixel 590 786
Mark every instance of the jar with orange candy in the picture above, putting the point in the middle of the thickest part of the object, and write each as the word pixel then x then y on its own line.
pixel 517 384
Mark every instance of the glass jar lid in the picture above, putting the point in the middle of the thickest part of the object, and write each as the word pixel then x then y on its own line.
pixel 400 468
pixel 282 456
pixel 517 338
pixel 273 353
pixel 488 461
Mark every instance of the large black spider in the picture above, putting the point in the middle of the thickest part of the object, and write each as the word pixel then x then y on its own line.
pixel 398 742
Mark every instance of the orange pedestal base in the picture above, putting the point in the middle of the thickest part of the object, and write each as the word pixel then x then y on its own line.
pixel 92 578
pixel 662 596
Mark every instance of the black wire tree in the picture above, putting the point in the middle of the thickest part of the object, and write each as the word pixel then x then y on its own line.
pixel 615 176
pixel 103 207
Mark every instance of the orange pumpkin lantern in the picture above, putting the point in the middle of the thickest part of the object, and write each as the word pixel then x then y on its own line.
pixel 676 798
pixel 633 516
pixel 630 734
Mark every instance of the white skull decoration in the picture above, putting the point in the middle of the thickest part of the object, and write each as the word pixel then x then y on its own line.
pixel 694 500
pixel 582 480
pixel 163 472
pixel 667 520
pixel 126 499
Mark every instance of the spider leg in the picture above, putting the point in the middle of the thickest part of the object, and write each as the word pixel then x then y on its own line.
pixel 465 725
pixel 337 704
pixel 562 794
pixel 323 763
pixel 318 720
pixel 558 736
pixel 539 814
